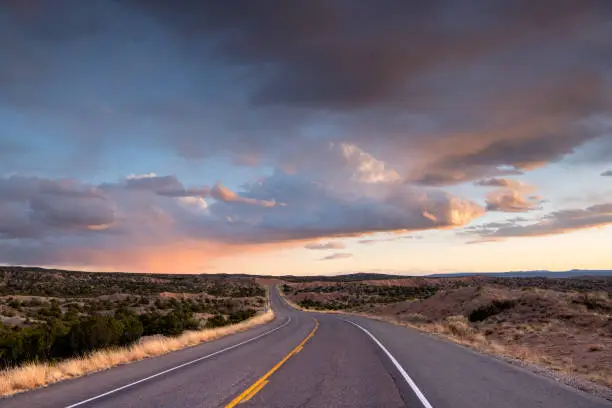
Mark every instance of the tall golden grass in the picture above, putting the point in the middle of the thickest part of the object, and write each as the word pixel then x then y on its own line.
pixel 34 375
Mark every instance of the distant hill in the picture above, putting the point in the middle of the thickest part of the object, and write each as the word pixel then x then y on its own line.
pixel 574 273
pixel 352 277
pixel 514 274
pixel 342 278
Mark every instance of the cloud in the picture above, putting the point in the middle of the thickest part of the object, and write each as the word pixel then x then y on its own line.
pixel 429 96
pixel 35 207
pixel 499 182
pixel 340 255
pixel 358 114
pixel 391 239
pixel 558 222
pixel 164 185
pixel 362 166
pixel 607 173
pixel 509 200
pixel 325 245
pixel 226 195
pixel 85 221
pixel 306 68
pixel 315 210
pixel 511 196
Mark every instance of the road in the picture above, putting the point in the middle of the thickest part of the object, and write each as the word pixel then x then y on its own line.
pixel 313 360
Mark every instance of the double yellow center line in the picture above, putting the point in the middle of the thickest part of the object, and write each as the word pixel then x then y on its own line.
pixel 259 384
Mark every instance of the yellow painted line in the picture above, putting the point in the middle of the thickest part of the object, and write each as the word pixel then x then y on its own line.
pixel 259 384
pixel 299 349
pixel 254 391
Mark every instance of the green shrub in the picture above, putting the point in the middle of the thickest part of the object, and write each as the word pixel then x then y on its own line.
pixel 241 315
pixel 94 333
pixel 217 320
pixel 132 326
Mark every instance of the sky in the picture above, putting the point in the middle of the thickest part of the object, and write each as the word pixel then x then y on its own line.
pixel 306 137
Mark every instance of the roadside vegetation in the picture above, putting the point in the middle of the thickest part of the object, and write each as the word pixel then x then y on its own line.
pixel 564 325
pixel 59 320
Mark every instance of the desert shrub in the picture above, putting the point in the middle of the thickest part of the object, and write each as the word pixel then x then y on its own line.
pixel 94 333
pixel 132 326
pixel 34 302
pixel 458 326
pixel 415 318
pixel 49 312
pixel 311 304
pixel 240 315
pixel 41 342
pixel 490 309
pixel 171 324
pixel 15 304
pixel 217 320
pixel 593 302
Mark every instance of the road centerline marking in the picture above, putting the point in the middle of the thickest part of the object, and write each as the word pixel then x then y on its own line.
pixel 254 391
pixel 179 366
pixel 397 365
pixel 262 381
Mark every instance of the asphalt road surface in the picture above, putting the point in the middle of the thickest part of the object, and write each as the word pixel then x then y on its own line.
pixel 313 360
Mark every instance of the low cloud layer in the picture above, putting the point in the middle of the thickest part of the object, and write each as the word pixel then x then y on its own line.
pixel 391 239
pixel 607 173
pixel 325 245
pixel 340 255
pixel 82 222
pixel 557 222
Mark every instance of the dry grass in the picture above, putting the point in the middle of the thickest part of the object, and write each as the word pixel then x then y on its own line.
pixel 34 375
pixel 459 330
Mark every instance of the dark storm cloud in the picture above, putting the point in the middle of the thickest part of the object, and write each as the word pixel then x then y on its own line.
pixel 506 80
pixel 444 91
pixel 352 53
pixel 607 173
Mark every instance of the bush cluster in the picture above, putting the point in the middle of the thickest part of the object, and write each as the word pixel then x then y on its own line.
pixel 60 338
pixel 490 309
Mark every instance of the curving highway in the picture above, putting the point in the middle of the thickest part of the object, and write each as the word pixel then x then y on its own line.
pixel 313 360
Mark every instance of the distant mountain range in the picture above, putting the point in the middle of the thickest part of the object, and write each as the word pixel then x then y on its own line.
pixel 362 276
pixel 531 274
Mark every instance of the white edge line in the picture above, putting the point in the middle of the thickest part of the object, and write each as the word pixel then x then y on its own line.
pixel 179 366
pixel 397 365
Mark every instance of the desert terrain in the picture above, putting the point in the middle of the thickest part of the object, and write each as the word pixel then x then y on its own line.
pixel 563 325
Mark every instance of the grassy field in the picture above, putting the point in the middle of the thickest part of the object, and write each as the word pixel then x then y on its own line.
pixel 564 325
